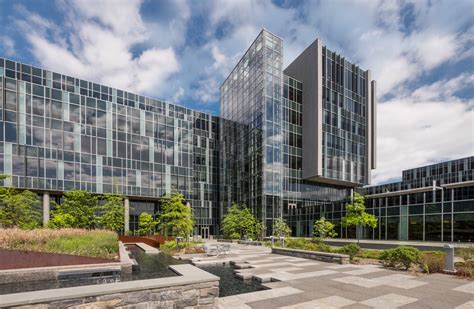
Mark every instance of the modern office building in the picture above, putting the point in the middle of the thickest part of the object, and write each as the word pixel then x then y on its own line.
pixel 309 137
pixel 291 142
pixel 430 203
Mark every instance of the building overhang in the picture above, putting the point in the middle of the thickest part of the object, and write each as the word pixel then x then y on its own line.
pixel 458 184
pixel 342 183
pixel 424 189
pixel 402 192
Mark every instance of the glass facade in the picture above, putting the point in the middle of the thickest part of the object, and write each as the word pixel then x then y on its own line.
pixel 251 98
pixel 431 203
pixel 304 201
pixel 60 133
pixel 345 99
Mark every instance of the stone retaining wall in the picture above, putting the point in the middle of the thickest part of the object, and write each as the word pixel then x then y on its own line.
pixel 195 288
pixel 314 255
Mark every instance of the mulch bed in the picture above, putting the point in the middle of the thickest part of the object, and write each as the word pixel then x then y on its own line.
pixel 14 259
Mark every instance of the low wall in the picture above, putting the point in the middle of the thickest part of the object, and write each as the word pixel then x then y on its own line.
pixel 195 288
pixel 388 244
pixel 314 255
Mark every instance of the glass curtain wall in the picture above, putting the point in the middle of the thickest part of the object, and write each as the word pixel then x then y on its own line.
pixel 60 133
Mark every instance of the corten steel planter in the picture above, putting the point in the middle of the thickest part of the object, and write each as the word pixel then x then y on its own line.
pixel 153 240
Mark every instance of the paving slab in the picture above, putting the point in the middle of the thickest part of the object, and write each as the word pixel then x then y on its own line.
pixel 389 301
pixel 467 305
pixel 323 303
pixel 242 299
pixel 467 288
pixel 289 276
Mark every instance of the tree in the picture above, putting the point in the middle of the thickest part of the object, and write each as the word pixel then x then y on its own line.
pixel 176 216
pixel 146 224
pixel 260 230
pixel 21 209
pixel 323 229
pixel 112 213
pixel 247 223
pixel 356 214
pixel 280 228
pixel 238 222
pixel 78 210
pixel 59 219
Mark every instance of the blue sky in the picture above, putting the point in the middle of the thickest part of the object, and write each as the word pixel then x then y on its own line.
pixel 420 52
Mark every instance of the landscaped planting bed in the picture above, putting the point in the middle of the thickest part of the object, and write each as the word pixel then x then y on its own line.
pixel 92 243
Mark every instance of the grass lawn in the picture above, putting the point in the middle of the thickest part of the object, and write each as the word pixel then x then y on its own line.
pixel 94 243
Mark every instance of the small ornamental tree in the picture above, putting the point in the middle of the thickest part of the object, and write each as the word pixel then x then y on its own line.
pixel 112 213
pixel 176 216
pixel 230 224
pixel 323 229
pixel 238 222
pixel 247 224
pixel 280 228
pixel 78 210
pixel 260 230
pixel 21 209
pixel 356 214
pixel 146 224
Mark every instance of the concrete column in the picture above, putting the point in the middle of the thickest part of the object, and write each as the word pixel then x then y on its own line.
pixel 126 213
pixel 46 205
pixel 449 259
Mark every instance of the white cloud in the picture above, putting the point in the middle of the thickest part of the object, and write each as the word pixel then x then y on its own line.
pixel 428 126
pixel 7 46
pixel 96 43
pixel 416 126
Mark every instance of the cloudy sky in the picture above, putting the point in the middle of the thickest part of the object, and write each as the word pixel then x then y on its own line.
pixel 420 52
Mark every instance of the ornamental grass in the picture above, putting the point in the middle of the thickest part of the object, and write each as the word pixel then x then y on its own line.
pixel 94 243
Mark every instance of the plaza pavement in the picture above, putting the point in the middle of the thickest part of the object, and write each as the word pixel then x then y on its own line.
pixel 299 283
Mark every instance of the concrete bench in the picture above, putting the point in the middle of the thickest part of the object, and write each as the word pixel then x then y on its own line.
pixel 250 242
pixel 314 255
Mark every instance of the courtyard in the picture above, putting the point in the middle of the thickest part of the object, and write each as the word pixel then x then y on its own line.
pixel 291 282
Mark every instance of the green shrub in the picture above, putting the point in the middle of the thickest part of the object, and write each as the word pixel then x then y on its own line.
pixel 171 245
pixel 294 243
pixel 426 269
pixel 350 249
pixel 370 254
pixel 466 253
pixel 95 243
pixel 267 243
pixel 402 256
pixel 323 247
pixel 432 261
pixel 310 246
pixel 465 269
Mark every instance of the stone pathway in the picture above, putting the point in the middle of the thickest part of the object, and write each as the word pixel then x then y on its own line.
pixel 298 283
